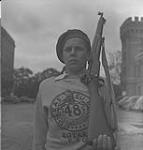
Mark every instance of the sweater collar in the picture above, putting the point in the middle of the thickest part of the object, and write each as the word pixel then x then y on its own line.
pixel 66 75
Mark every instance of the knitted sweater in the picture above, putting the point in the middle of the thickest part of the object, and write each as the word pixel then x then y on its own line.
pixel 61 114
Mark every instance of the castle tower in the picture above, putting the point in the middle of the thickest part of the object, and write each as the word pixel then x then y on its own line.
pixel 131 34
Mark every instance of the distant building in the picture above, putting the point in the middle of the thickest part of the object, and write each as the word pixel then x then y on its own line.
pixel 131 33
pixel 7 62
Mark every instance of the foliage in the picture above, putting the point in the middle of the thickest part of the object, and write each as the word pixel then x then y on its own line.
pixel 47 73
pixel 22 73
pixel 117 91
pixel 21 78
pixel 115 61
pixel 26 83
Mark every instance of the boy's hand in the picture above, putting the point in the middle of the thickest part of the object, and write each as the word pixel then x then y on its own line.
pixel 103 142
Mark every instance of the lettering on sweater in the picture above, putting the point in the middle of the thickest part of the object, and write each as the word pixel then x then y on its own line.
pixel 70 111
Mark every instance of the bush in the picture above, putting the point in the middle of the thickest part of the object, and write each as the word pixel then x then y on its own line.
pixel 10 99
pixel 26 99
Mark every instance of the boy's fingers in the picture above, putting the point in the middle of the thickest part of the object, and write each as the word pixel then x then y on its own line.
pixel 100 142
pixel 94 143
pixel 109 143
pixel 105 144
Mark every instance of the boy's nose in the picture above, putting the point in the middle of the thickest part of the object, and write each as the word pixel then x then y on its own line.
pixel 73 50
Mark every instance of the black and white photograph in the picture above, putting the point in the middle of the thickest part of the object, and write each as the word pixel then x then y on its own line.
pixel 71 75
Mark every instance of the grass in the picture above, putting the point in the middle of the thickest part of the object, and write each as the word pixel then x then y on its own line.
pixel 17 128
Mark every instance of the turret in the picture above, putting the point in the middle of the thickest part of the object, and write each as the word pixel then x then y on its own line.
pixel 131 34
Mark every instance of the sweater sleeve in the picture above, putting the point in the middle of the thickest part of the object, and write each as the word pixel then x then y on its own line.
pixel 40 126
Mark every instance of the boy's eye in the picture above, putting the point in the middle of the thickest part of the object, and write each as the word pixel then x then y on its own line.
pixel 79 48
pixel 68 49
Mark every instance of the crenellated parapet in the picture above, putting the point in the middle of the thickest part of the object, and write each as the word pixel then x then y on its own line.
pixel 131 26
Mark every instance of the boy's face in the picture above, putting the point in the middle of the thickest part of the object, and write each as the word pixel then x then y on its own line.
pixel 75 54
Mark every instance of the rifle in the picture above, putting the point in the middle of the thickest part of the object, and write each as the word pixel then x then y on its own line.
pixel 99 122
pixel 97 119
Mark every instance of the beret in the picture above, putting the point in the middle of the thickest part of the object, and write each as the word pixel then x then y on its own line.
pixel 75 33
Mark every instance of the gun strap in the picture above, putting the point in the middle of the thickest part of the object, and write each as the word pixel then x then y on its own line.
pixel 111 117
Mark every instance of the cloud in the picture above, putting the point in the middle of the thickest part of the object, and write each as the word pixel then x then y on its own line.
pixel 36 25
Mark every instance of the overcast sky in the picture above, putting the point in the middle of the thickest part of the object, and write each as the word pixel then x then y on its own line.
pixel 35 25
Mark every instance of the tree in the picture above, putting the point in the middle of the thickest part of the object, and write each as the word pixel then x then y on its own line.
pixel 47 73
pixel 22 73
pixel 27 83
pixel 115 60
pixel 21 78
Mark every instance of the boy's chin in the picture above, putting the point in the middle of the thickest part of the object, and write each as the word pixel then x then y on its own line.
pixel 75 68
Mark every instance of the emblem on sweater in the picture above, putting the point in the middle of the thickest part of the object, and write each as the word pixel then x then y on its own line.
pixel 70 110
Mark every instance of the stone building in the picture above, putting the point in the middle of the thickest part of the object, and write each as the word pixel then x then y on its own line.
pixel 131 34
pixel 7 62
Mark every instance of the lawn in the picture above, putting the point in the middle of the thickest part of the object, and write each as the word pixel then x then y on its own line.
pixel 17 126
pixel 17 129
